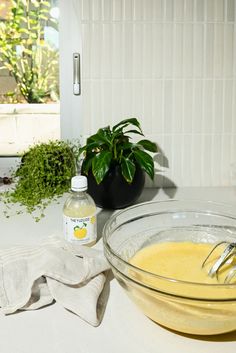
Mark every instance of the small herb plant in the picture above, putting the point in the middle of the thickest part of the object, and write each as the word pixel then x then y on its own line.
pixel 110 146
pixel 44 174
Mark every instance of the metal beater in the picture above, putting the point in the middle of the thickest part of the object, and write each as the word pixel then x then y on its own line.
pixel 228 253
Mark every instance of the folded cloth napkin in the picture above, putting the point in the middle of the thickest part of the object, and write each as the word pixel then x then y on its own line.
pixel 72 275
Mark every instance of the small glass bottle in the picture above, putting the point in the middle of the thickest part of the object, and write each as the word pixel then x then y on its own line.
pixel 79 214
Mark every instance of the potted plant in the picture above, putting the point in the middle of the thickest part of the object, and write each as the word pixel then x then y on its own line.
pixel 44 173
pixel 115 166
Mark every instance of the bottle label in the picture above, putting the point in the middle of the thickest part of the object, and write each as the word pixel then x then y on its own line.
pixel 80 230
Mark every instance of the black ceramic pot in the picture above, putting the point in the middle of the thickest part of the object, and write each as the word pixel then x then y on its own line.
pixel 114 192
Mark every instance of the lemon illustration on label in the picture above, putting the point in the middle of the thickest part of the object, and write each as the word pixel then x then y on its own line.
pixel 80 233
pixel 93 220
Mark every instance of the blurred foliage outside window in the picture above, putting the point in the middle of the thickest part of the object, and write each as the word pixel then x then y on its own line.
pixel 27 52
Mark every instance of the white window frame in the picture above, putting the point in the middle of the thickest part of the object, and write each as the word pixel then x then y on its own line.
pixel 69 42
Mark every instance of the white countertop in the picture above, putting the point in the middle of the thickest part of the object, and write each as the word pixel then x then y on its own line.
pixel 124 328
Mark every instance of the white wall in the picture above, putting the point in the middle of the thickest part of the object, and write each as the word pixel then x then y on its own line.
pixel 171 63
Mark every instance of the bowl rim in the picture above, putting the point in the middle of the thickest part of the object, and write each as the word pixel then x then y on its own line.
pixel 154 275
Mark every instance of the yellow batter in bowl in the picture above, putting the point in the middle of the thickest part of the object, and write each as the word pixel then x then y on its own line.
pixel 182 261
pixel 156 250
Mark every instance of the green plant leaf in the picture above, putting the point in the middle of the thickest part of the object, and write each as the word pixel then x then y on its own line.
pixel 101 137
pixel 128 169
pixel 134 132
pixel 148 145
pixel 145 161
pixel 126 122
pixel 125 146
pixel 87 163
pixel 100 165
pixel 89 147
pixel 104 135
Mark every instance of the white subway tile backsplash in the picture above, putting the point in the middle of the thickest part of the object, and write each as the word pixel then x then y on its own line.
pixel 106 51
pixel 210 10
pixel 157 42
pixel 229 40
pixel 85 10
pixel 96 107
pixel 106 102
pixel 106 10
pixel 86 33
pixel 188 50
pixel 178 50
pixel 232 170
pixel 138 99
pixel 147 106
pixel 218 107
pixel 196 159
pixel 96 10
pixel 148 13
pixel 186 160
pixel 87 106
pixel 168 103
pixel 158 10
pixel 219 10
pixel 218 50
pixel 117 9
pixel 128 9
pixel 188 10
pixel 171 64
pixel 209 50
pixel 207 160
pixel 157 123
pixel 230 10
pixel 138 50
pixel 198 50
pixel 169 10
pixel 128 55
pixel 167 49
pixel 167 146
pixel 117 50
pixel 138 10
pixel 228 107
pixel 129 98
pixel 207 106
pixel 178 10
pixel 197 107
pixel 226 160
pixel 217 157
pixel 178 106
pixel 199 10
pixel 175 140
pixel 188 107
pixel 95 42
pixel 148 50
pixel 234 107
pixel 116 101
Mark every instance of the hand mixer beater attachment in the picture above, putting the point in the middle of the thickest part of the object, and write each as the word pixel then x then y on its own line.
pixel 226 256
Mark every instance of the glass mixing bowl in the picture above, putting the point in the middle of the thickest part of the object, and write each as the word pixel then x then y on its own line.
pixel 188 307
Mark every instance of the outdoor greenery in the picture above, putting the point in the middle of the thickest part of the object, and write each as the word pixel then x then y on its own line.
pixel 30 60
pixel 44 174
pixel 111 146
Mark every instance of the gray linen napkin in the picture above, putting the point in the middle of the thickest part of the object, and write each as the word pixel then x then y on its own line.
pixel 72 275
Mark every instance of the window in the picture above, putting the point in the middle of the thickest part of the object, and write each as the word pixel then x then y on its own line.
pixel 68 111
pixel 29 75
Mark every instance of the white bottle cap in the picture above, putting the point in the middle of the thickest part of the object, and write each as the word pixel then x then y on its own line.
pixel 79 183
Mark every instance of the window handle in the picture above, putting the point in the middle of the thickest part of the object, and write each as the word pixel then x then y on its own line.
pixel 76 74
